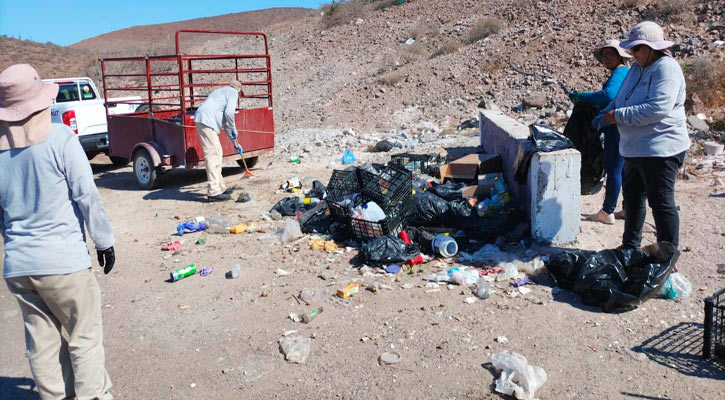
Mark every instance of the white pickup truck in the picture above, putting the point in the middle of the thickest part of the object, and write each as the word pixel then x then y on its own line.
pixel 79 106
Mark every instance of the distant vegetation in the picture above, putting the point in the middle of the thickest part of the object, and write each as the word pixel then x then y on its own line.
pixel 483 29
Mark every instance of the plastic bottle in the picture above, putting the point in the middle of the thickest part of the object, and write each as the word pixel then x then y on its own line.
pixel 444 245
pixel 372 212
pixel 483 291
pixel 308 317
pixel 202 239
pixel 220 224
pixel 499 186
pixel 182 273
pixel 482 207
pixel 310 200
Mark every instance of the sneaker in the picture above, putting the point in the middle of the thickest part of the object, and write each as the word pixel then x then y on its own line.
pixel 602 217
pixel 229 191
pixel 219 197
pixel 619 214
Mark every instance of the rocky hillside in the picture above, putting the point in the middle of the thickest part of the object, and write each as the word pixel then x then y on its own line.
pixel 51 61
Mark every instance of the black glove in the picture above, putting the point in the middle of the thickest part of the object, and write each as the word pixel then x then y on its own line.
pixel 108 258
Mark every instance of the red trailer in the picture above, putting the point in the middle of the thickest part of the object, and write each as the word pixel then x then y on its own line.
pixel 160 134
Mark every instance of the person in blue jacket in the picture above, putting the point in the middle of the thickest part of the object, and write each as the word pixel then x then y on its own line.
pixel 649 111
pixel 615 59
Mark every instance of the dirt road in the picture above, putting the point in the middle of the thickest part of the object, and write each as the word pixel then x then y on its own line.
pixel 211 337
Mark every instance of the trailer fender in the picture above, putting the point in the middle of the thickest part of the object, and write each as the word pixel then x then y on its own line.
pixel 152 148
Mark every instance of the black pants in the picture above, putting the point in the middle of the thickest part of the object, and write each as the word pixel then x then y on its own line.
pixel 653 179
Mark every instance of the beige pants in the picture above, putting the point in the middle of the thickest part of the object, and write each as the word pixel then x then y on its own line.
pixel 70 365
pixel 213 156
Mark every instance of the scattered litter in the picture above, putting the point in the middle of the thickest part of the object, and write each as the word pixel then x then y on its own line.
pixel 295 317
pixel 348 291
pixel 592 348
pixel 501 339
pixel 312 295
pixel 323 245
pixel 241 228
pixel 291 231
pixel 201 240
pixel 392 269
pixel 308 317
pixel 291 184
pixel 469 300
pixel 521 282
pixel 463 277
pixel 483 290
pixel 289 332
pixel 182 273
pixel 495 270
pixel 510 271
pixel 190 227
pixel 295 349
pixel 676 287
pixel 524 290
pixel 389 358
pixel 173 246
pixel 281 272
pixel 518 378
pixel 235 271
pixel 206 271
pixel 244 197
pixel 348 157
pixel 220 223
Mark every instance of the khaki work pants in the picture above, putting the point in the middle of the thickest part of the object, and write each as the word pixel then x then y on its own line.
pixel 213 155
pixel 71 365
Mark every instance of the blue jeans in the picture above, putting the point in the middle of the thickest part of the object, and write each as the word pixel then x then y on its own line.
pixel 613 164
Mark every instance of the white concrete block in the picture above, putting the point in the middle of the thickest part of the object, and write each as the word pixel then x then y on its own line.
pixel 555 201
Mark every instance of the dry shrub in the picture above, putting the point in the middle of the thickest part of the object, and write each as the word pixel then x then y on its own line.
pixel 382 4
pixel 493 65
pixel 668 10
pixel 483 29
pixel 632 3
pixel 341 12
pixel 391 78
pixel 412 53
pixel 447 47
pixel 706 78
pixel 424 29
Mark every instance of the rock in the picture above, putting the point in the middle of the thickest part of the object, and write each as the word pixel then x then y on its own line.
pixel 697 123
pixel 295 349
pixel 501 339
pixel 389 358
pixel 693 104
pixel 348 132
pixel 535 100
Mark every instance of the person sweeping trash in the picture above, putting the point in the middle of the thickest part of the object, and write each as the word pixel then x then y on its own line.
pixel 214 114
pixel 47 196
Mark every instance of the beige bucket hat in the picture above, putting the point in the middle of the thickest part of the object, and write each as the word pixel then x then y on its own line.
pixel 611 43
pixel 236 85
pixel 22 93
pixel 647 33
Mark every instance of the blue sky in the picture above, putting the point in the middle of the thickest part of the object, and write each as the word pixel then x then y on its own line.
pixel 65 22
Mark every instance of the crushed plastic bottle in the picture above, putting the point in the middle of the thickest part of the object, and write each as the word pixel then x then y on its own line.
pixel 483 290
pixel 220 224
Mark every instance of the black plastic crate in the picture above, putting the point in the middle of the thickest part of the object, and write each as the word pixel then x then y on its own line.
pixel 416 163
pixel 389 188
pixel 714 341
pixel 342 184
pixel 367 230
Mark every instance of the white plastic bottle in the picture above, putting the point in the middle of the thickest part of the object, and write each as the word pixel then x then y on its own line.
pixel 372 212
pixel 444 245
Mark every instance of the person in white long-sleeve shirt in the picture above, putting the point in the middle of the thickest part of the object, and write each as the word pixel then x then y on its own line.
pixel 47 195
pixel 214 114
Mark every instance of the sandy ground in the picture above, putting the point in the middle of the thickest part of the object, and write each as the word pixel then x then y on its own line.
pixel 211 337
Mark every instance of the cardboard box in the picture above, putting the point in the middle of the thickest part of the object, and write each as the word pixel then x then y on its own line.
pixel 482 190
pixel 467 168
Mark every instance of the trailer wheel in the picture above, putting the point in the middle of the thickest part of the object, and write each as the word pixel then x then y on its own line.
pixel 147 175
pixel 251 162
pixel 119 161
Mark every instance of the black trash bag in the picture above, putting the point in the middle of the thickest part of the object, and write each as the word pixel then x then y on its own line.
pixel 316 220
pixel 384 146
pixel 468 124
pixel 542 139
pixel 290 206
pixel 586 139
pixel 448 191
pixel 423 238
pixel 425 209
pixel 614 278
pixel 318 190
pixel 340 232
pixel 386 250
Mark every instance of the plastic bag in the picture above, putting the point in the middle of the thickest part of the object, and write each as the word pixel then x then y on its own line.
pixel 290 206
pixel 510 271
pixel 312 295
pixel 386 250
pixel 614 278
pixel 291 231
pixel 483 290
pixel 315 220
pixel 448 191
pixel 348 157
pixel 221 224
pixel 542 139
pixel 295 349
pixel 489 254
pixel 465 277
pixel 586 139
pixel 518 378
pixel 318 190
pixel 676 287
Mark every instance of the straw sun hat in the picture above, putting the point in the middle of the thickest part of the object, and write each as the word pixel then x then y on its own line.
pixel 22 93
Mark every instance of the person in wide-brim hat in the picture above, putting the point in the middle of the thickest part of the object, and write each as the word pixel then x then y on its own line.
pixel 48 197
pixel 650 115
pixel 615 59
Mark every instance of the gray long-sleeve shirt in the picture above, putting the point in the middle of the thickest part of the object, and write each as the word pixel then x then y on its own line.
pixel 47 193
pixel 217 111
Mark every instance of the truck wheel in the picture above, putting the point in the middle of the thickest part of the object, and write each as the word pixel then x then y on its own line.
pixel 119 161
pixel 147 175
pixel 251 162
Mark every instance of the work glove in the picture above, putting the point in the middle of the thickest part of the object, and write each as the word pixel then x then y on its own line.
pixel 106 258
pixel 575 96
pixel 232 135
